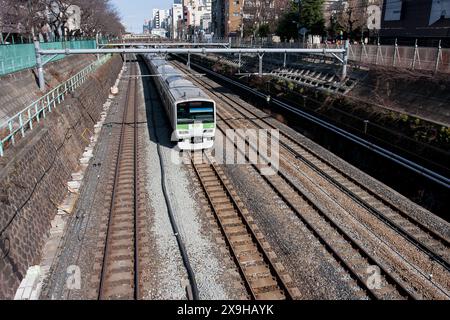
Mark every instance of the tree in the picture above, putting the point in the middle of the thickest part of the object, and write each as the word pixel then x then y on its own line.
pixel 22 16
pixel 311 16
pixel 59 13
pixel 287 26
pixel 352 16
pixel 257 13
pixel 264 30
pixel 40 16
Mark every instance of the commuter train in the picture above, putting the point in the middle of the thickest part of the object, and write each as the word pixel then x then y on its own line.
pixel 191 112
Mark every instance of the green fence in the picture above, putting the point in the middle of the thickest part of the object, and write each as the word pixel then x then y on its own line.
pixel 22 56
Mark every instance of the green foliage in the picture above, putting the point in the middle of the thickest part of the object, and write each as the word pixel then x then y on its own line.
pixel 287 26
pixel 444 135
pixel 311 16
pixel 264 30
pixel 404 117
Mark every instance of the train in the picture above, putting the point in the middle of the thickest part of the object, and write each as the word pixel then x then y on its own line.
pixel 191 112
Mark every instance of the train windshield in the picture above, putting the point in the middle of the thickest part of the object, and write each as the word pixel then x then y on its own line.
pixel 190 112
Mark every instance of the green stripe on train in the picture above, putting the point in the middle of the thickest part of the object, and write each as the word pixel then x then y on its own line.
pixel 186 126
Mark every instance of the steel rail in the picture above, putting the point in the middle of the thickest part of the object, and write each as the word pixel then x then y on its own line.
pixel 250 231
pixel 136 195
pixel 103 273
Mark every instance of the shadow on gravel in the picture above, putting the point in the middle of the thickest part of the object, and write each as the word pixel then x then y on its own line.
pixel 152 100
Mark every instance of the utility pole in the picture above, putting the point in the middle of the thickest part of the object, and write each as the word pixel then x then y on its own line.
pixel 39 65
pixel 37 48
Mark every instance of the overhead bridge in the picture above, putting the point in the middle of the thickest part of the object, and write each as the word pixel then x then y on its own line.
pixel 340 54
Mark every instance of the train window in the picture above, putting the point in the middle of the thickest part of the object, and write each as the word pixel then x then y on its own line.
pixel 189 112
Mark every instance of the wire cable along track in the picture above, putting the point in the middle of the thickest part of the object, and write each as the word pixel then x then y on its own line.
pixel 263 278
pixel 119 277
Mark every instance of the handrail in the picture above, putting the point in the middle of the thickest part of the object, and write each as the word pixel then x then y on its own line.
pixel 23 121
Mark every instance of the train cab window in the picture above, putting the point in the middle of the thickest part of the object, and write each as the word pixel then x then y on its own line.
pixel 189 112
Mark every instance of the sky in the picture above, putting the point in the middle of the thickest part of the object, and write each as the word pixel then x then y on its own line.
pixel 134 12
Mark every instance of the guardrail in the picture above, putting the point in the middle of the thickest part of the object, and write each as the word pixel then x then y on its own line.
pixel 25 119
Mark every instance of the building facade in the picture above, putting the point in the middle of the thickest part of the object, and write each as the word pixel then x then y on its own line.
pixel 416 19
pixel 176 17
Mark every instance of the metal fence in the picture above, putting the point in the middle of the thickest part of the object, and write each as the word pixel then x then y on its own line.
pixel 17 57
pixel 434 59
pixel 415 58
pixel 28 117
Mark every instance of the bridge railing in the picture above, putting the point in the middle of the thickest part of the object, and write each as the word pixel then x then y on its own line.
pixel 18 125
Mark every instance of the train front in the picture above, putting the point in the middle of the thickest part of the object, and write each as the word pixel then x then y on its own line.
pixel 196 124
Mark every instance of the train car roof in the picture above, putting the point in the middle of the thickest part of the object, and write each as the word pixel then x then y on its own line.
pixel 166 71
pixel 189 93
pixel 158 62
pixel 178 81
pixel 179 87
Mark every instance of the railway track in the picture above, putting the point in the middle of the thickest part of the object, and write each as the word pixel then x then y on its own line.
pixel 432 243
pixel 119 275
pixel 349 254
pixel 435 246
pixel 264 278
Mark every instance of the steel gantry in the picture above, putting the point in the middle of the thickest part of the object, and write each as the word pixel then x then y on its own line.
pixel 341 54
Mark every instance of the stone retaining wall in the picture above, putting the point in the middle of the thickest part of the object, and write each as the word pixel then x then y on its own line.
pixel 34 175
pixel 19 89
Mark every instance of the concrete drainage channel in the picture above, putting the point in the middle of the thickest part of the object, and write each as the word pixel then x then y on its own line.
pixel 31 285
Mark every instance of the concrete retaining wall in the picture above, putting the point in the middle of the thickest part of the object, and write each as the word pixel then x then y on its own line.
pixel 34 173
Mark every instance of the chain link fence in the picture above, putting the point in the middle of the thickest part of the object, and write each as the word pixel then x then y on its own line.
pixel 435 59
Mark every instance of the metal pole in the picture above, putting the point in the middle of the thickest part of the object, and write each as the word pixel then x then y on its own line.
pixel 260 64
pixel 366 122
pixel 189 61
pixel 345 60
pixel 39 65
pixel 415 55
pixel 96 45
pixel 395 53
pixel 378 50
pixel 438 57
pixel 239 63
pixel 284 61
pixel 361 52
